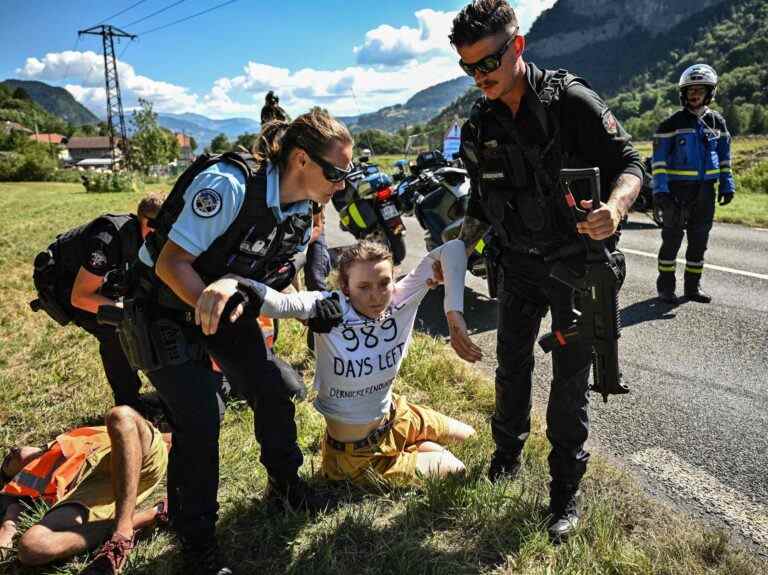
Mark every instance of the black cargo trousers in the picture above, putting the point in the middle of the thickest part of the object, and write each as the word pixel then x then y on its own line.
pixel 527 292
pixel 122 378
pixel 189 391
pixel 692 210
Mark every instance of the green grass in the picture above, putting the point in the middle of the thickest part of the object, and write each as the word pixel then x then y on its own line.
pixel 51 380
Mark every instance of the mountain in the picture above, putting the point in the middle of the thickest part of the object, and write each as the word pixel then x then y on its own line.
pixel 204 129
pixel 56 101
pixel 418 109
pixel 633 53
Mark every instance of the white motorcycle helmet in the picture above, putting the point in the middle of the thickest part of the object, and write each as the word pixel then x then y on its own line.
pixel 698 75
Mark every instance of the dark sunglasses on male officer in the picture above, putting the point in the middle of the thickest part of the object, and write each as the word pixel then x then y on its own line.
pixel 490 63
pixel 332 173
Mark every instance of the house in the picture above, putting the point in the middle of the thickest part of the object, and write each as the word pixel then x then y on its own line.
pixel 89 147
pixel 185 147
pixel 50 139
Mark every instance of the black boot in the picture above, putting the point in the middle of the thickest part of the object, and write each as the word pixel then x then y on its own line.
pixel 563 508
pixel 504 466
pixel 693 289
pixel 665 286
pixel 203 558
pixel 294 495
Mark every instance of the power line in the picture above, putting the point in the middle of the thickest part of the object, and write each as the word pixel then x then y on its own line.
pixel 155 13
pixel 211 9
pixel 122 11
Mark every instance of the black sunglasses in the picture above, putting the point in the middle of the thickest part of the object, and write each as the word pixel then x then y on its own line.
pixel 332 173
pixel 490 63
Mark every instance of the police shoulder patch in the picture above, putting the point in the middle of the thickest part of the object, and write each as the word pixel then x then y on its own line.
pixel 609 122
pixel 206 203
pixel 98 259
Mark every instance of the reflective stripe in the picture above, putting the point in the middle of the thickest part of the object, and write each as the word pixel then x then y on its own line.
pixel 725 164
pixel 659 164
pixel 712 172
pixel 691 270
pixel 677 172
pixel 695 264
pixel 666 268
pixel 667 262
pixel 675 133
pixel 725 170
pixel 26 479
pixel 480 246
pixel 357 216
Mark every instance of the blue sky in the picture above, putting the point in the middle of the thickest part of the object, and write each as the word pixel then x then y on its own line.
pixel 350 57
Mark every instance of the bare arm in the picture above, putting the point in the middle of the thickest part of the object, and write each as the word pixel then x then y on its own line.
pixel 472 231
pixel 174 267
pixel 602 222
pixel 85 290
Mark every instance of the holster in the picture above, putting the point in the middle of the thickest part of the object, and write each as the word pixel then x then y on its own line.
pixel 149 343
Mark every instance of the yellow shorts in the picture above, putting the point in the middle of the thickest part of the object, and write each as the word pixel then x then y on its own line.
pixel 95 493
pixel 393 456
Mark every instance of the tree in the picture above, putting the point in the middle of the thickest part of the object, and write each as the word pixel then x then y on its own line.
pixel 21 94
pixel 192 143
pixel 247 140
pixel 758 123
pixel 151 145
pixel 220 144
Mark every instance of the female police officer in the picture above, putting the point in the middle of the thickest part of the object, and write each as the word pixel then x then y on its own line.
pixel 245 215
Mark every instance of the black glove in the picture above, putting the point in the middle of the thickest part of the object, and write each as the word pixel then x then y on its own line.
pixel 251 299
pixel 724 199
pixel 327 314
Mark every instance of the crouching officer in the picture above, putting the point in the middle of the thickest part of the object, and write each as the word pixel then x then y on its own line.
pixel 70 281
pixel 245 215
pixel 691 151
pixel 529 124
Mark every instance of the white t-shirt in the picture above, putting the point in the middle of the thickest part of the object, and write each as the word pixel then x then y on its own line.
pixel 357 361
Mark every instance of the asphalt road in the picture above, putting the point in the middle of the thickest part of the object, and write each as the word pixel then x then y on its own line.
pixel 694 428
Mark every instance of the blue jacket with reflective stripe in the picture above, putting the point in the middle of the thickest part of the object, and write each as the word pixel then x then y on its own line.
pixel 689 148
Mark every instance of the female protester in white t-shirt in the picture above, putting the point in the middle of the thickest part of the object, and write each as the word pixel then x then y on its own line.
pixel 370 431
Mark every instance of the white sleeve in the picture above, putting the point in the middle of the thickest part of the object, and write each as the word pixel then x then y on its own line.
pixel 276 304
pixel 453 259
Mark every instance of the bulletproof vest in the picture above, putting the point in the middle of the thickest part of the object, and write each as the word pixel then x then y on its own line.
pixel 255 244
pixel 70 248
pixel 517 174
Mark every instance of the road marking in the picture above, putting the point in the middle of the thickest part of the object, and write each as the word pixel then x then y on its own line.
pixel 708 266
pixel 691 483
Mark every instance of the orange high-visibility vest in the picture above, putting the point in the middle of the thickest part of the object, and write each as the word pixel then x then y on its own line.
pixel 49 475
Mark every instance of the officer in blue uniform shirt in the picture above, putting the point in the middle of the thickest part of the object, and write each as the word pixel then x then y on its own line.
pixel 691 152
pixel 244 215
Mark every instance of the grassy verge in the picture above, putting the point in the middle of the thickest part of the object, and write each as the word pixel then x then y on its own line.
pixel 51 380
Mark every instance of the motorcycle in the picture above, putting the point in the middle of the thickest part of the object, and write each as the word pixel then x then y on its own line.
pixel 644 202
pixel 437 193
pixel 369 208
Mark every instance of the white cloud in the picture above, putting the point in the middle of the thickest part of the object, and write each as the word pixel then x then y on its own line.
pixel 389 46
pixel 528 10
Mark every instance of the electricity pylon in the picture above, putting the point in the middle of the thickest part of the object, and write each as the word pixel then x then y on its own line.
pixel 114 102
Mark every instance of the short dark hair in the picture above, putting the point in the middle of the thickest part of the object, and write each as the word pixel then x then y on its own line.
pixel 479 19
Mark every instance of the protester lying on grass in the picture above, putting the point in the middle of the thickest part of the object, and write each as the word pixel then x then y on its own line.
pixel 93 478
pixel 371 433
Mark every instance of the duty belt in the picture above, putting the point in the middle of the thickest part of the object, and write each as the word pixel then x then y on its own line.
pixel 368 441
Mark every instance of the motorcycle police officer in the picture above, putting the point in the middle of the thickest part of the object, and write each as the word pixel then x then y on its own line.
pixel 70 280
pixel 528 125
pixel 691 151
pixel 246 215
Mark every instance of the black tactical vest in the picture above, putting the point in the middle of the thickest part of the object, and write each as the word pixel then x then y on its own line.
pixel 517 174
pixel 69 250
pixel 254 245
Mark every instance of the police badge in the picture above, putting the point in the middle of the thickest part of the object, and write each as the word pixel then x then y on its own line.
pixel 206 203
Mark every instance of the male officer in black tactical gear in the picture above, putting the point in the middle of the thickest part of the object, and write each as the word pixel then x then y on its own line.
pixel 70 280
pixel 527 126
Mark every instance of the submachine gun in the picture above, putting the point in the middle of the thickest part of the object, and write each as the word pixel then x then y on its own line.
pixel 597 291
